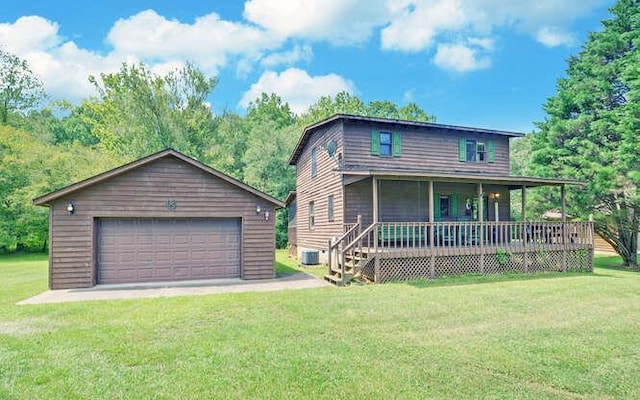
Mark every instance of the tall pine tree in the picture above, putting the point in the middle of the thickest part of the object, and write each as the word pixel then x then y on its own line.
pixel 592 130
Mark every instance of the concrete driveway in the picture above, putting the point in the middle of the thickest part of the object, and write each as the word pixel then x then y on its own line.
pixel 298 280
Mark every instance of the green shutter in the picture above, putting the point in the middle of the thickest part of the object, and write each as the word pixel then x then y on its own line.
pixel 397 144
pixel 436 206
pixel 485 209
pixel 453 205
pixel 462 149
pixel 375 143
pixel 491 154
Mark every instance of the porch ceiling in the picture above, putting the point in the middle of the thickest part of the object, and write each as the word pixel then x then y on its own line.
pixel 513 182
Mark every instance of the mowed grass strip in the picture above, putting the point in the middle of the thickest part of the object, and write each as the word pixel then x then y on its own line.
pixel 542 337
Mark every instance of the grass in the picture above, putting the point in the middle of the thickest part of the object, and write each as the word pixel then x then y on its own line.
pixel 543 337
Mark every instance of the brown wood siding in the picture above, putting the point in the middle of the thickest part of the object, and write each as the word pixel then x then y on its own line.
pixel 423 148
pixel 317 189
pixel 143 193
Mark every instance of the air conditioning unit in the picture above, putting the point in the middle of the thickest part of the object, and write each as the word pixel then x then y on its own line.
pixel 309 257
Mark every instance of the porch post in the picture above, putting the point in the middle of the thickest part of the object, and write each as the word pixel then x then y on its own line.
pixel 375 199
pixel 563 213
pixel 482 224
pixel 525 229
pixel 432 261
pixel 524 203
pixel 376 261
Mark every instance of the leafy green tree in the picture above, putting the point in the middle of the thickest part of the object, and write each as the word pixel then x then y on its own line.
pixel 30 168
pixel 592 130
pixel 271 135
pixel 138 112
pixel 346 103
pixel 20 89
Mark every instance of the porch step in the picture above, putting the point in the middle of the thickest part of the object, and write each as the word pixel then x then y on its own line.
pixel 347 271
pixel 338 280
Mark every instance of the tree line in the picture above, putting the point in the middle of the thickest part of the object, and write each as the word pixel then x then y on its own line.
pixel 136 113
pixel 591 133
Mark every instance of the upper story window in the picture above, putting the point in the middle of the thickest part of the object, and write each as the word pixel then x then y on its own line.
pixel 472 150
pixel 314 162
pixel 386 144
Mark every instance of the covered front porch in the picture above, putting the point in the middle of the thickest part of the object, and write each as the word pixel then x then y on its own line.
pixel 413 226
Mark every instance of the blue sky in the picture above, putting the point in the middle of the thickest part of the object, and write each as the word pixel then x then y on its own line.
pixel 485 63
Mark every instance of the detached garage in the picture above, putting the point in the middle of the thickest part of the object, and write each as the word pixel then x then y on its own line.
pixel 166 217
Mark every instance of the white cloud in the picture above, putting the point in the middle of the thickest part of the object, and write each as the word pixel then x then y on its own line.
pixel 553 37
pixel 297 88
pixel 341 22
pixel 484 43
pixel 29 33
pixel 460 58
pixel 417 23
pixel 61 65
pixel 297 54
pixel 209 41
pixel 147 36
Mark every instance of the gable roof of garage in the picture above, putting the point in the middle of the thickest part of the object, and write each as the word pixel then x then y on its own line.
pixel 48 198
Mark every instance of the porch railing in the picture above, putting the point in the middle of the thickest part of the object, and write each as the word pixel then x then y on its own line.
pixel 463 235
pixel 421 239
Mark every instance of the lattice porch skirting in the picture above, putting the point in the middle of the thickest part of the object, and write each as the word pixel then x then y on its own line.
pixel 418 267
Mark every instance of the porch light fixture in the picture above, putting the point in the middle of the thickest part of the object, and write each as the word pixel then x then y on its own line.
pixel 266 215
pixel 71 208
pixel 258 209
pixel 495 195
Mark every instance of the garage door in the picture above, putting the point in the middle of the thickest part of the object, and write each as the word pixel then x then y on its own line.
pixel 154 250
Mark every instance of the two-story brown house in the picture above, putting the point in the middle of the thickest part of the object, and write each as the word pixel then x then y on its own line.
pixel 390 199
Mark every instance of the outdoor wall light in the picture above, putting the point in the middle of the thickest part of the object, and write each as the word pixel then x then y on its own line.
pixel 266 215
pixel 258 209
pixel 495 195
pixel 71 208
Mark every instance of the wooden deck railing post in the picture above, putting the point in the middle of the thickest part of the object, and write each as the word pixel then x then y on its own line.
pixel 525 238
pixel 376 260
pixel 564 228
pixel 431 227
pixel 330 258
pixel 483 225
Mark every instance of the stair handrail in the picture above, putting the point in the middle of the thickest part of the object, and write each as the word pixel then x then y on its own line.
pixel 355 242
pixel 360 237
pixel 334 245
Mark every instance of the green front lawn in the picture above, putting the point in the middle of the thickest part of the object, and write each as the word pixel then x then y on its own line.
pixel 573 336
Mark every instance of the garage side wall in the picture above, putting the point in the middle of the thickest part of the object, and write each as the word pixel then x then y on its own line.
pixel 148 192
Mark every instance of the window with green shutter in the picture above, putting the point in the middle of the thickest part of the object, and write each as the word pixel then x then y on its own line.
pixel 472 150
pixel 436 206
pixel 386 144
